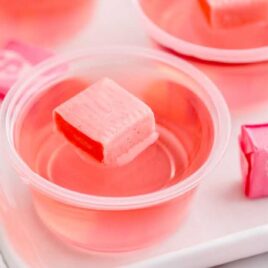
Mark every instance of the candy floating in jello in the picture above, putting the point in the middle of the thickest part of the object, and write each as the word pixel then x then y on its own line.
pixel 107 122
pixel 254 160
pixel 232 13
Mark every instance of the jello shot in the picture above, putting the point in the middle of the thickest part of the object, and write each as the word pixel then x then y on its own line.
pixel 227 40
pixel 84 192
pixel 43 22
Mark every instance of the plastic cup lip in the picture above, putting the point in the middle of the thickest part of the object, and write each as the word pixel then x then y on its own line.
pixel 67 196
pixel 231 56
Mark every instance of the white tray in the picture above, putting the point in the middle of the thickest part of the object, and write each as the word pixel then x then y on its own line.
pixel 222 227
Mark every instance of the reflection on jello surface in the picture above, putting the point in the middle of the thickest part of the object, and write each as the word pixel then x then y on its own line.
pixel 186 137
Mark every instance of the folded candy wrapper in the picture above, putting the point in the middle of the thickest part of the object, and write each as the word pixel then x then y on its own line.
pixel 254 160
pixel 16 59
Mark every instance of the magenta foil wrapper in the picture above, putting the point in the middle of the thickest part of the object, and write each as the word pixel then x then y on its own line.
pixel 254 160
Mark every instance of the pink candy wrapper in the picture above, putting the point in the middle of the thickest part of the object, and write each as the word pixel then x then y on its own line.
pixel 30 53
pixel 12 67
pixel 15 60
pixel 254 160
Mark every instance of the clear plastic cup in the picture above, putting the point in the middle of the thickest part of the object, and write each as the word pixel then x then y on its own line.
pixel 236 59
pixel 44 22
pixel 113 209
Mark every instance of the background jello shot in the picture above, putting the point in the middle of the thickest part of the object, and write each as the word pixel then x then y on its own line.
pixel 110 208
pixel 223 40
pixel 45 22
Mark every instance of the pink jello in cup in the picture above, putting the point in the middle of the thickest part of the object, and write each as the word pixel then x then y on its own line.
pixel 234 57
pixel 43 22
pixel 108 208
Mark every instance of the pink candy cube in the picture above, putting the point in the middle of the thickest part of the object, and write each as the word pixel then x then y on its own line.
pixel 107 122
pixel 254 160
pixel 231 13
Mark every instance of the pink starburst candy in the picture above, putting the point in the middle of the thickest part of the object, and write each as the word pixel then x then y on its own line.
pixel 254 160
pixel 16 58
pixel 29 52
pixel 12 67
pixel 232 13
pixel 107 122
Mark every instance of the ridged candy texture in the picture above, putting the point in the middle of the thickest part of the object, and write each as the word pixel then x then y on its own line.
pixel 107 122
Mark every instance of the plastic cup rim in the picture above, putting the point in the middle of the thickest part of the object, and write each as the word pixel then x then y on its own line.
pixel 118 203
pixel 231 56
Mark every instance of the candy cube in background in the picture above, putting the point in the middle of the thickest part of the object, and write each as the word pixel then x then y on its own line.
pixel 233 13
pixel 254 160
pixel 107 122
